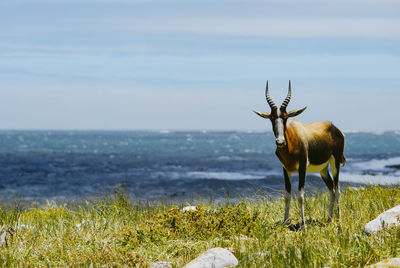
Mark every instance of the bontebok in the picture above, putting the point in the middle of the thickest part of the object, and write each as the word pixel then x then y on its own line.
pixel 306 148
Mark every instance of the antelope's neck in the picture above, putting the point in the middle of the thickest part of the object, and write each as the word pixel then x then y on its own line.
pixel 287 153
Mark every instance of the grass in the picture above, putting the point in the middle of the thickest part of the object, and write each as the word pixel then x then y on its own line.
pixel 116 232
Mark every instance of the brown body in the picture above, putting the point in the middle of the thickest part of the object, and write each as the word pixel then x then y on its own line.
pixel 313 143
pixel 306 148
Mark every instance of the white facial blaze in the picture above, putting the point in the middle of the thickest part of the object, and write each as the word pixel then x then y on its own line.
pixel 279 129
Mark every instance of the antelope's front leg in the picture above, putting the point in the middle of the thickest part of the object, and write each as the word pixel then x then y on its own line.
pixel 302 180
pixel 288 194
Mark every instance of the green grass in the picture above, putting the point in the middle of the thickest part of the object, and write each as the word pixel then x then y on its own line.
pixel 116 232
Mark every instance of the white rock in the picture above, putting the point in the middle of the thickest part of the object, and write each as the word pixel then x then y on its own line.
pixel 388 218
pixel 395 262
pixel 189 208
pixel 215 257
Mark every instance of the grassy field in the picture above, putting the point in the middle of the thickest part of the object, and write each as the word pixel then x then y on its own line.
pixel 115 232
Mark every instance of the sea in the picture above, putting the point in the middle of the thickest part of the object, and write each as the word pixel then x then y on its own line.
pixel 165 165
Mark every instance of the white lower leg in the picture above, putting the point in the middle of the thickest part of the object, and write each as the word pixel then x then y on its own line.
pixel 288 197
pixel 301 201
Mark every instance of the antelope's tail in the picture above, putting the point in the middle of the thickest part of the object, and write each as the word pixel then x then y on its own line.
pixel 343 161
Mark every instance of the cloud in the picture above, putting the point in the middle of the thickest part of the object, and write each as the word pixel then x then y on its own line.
pixel 234 18
pixel 219 26
pixel 383 28
pixel 97 68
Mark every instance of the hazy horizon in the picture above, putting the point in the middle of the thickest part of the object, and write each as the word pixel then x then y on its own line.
pixel 169 131
pixel 194 65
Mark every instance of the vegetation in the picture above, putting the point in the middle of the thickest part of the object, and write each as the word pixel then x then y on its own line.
pixel 116 232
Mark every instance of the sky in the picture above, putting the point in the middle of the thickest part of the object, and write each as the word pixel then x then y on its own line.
pixel 197 64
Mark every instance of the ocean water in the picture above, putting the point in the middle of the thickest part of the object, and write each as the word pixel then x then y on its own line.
pixel 73 165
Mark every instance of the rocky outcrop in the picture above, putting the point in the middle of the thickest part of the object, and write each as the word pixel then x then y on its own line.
pixel 388 218
pixel 393 166
pixel 215 257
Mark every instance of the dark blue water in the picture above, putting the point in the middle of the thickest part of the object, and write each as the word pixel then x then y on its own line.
pixel 40 165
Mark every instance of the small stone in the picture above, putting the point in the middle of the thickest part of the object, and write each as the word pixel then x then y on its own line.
pixel 388 218
pixel 215 257
pixel 189 208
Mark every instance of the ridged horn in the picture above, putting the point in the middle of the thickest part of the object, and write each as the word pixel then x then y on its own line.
pixel 269 100
pixel 289 95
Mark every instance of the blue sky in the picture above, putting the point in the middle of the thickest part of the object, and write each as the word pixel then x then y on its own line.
pixel 119 64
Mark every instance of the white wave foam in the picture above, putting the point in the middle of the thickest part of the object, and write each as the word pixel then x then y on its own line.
pixel 224 175
pixel 369 179
pixel 377 164
pixel 230 158
pixel 218 175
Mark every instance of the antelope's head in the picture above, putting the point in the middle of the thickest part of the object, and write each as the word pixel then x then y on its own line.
pixel 279 116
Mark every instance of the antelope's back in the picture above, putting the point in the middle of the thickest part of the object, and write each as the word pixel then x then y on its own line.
pixel 322 139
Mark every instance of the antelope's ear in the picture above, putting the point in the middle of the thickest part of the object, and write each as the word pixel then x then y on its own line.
pixel 296 112
pixel 262 114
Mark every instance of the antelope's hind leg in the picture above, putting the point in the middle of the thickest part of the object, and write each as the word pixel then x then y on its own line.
pixel 302 180
pixel 335 166
pixel 329 183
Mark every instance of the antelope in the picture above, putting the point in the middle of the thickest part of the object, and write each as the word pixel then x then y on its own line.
pixel 306 148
